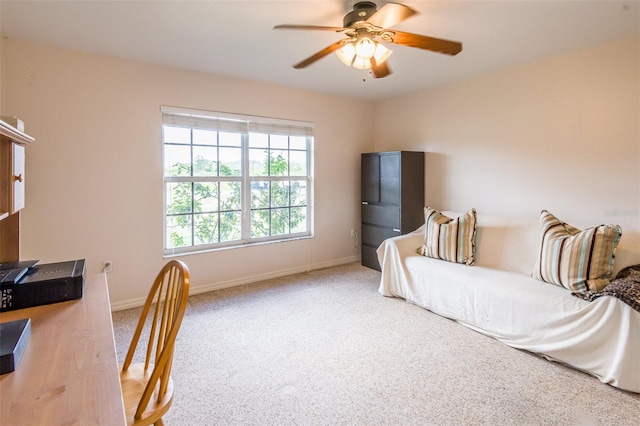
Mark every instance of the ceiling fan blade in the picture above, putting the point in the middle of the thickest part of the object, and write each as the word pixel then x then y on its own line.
pixel 321 54
pixel 307 27
pixel 391 14
pixel 381 70
pixel 427 43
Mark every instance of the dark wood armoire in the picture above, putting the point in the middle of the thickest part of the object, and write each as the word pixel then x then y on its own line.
pixel 392 198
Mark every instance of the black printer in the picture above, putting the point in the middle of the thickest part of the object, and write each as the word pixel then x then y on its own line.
pixel 27 285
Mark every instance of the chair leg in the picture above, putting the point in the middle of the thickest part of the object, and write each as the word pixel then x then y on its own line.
pixel 159 422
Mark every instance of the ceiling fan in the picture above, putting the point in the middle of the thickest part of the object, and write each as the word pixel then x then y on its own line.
pixel 364 27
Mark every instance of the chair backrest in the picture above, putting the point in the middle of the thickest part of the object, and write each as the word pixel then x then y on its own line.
pixel 162 314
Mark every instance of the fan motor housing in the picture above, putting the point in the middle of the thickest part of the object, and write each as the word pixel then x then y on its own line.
pixel 361 12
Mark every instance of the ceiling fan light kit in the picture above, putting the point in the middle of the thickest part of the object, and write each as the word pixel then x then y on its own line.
pixel 359 54
pixel 363 26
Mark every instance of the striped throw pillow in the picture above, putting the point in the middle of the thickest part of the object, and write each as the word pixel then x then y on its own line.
pixel 453 240
pixel 578 260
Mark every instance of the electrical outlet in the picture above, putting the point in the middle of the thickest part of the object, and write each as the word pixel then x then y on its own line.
pixel 107 266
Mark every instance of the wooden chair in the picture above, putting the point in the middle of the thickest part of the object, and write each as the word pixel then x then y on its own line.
pixel 147 388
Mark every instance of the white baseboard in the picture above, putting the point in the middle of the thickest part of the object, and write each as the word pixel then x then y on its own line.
pixel 134 303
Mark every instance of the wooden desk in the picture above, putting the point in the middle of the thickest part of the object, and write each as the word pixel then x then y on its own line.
pixel 68 373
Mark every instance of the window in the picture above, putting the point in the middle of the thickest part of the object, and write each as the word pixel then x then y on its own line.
pixel 231 180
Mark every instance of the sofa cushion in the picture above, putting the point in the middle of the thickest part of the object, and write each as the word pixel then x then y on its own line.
pixel 507 243
pixel 577 260
pixel 453 240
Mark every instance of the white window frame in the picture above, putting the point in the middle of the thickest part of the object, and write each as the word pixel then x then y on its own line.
pixel 244 124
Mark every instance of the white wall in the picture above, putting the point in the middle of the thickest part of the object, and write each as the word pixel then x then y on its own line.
pixel 94 176
pixel 560 134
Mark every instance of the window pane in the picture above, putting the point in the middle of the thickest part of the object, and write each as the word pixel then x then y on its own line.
pixel 258 164
pixel 279 221
pixel 230 226
pixel 178 197
pixel 207 171
pixel 260 223
pixel 299 193
pixel 205 137
pixel 298 142
pixel 298 163
pixel 258 140
pixel 205 228
pixel 205 161
pixel 172 134
pixel 259 194
pixel 177 160
pixel 279 163
pixel 279 142
pixel 298 219
pixel 230 196
pixel 279 194
pixel 230 162
pixel 205 197
pixel 230 139
pixel 179 231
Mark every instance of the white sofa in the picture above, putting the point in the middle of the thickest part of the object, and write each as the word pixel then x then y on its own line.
pixel 497 297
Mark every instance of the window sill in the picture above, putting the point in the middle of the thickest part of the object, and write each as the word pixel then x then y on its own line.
pixel 233 247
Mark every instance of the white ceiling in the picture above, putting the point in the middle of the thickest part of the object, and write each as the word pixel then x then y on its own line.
pixel 236 37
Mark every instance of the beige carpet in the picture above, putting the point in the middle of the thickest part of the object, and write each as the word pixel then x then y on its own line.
pixel 325 348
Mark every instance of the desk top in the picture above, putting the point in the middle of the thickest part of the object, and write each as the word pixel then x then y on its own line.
pixel 68 373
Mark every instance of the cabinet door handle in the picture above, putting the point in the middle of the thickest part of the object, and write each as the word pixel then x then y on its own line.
pixel 397 230
pixel 18 178
pixel 365 203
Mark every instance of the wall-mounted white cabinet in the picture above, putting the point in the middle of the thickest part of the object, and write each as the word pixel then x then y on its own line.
pixel 12 189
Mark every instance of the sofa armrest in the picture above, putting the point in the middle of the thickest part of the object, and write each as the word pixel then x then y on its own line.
pixel 391 255
pixel 406 244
